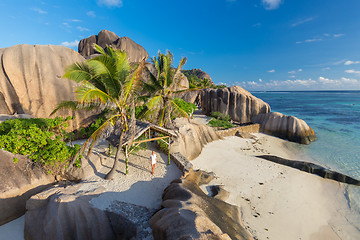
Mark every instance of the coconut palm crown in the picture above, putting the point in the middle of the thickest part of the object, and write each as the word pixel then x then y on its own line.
pixel 161 87
pixel 105 81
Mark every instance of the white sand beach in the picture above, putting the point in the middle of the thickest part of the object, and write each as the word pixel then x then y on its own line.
pixel 277 202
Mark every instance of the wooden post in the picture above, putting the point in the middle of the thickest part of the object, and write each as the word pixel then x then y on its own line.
pixel 126 159
pixel 169 151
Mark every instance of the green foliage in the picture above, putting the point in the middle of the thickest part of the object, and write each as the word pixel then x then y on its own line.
pixel 160 103
pixel 220 120
pixel 15 160
pixel 220 116
pixel 195 81
pixel 86 132
pixel 189 108
pixel 38 138
pixel 162 145
pixel 220 123
pixel 219 86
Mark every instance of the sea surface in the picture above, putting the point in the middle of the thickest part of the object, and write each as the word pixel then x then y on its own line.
pixel 335 118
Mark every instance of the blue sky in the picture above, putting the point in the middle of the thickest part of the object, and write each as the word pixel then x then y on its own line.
pixel 256 44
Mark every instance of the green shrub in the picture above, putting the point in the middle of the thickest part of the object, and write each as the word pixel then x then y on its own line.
pixel 220 123
pixel 189 108
pixel 42 140
pixel 220 116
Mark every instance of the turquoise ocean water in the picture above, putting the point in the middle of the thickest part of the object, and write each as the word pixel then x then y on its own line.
pixel 335 118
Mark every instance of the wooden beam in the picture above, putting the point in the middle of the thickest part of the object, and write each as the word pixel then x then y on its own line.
pixel 151 139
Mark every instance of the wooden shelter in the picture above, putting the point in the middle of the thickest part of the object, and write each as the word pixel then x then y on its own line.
pixel 153 131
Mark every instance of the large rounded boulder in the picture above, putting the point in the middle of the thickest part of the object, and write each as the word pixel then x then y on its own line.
pixel 31 81
pixel 105 38
pixel 191 137
pixel 19 180
pixel 235 101
pixel 188 213
pixel 285 127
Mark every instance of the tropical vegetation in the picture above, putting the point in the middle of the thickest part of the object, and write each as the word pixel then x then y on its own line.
pixel 106 81
pixel 42 140
pixel 220 120
pixel 160 89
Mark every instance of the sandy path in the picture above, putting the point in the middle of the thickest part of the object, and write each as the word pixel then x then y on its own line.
pixel 277 202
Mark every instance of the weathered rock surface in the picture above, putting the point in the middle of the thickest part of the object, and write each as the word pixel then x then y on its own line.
pixel 191 96
pixel 188 213
pixel 313 169
pixel 105 38
pixel 285 127
pixel 191 137
pixel 238 103
pixel 31 81
pixel 18 182
pixel 66 212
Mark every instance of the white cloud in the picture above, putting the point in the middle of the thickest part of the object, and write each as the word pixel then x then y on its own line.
pixel 352 71
pixel 75 20
pixel 271 4
pixel 38 10
pixel 110 3
pixel 292 76
pixel 313 40
pixel 351 62
pixel 294 71
pixel 322 83
pixel 260 80
pixel 72 44
pixel 338 35
pixel 91 14
pixel 82 29
pixel 271 71
pixel 302 21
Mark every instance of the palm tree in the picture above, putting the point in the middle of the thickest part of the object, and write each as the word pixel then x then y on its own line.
pixel 160 87
pixel 106 81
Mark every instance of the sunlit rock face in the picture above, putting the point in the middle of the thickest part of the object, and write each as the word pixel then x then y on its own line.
pixel 285 127
pixel 188 213
pixel 31 81
pixel 235 101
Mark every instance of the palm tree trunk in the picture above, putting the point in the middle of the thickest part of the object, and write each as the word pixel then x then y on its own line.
pixel 116 165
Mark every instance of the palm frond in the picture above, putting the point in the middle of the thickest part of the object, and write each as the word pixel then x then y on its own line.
pixel 97 134
pixel 105 69
pixel 179 111
pixel 133 82
pixel 99 49
pixel 88 93
pixel 75 105
pixel 78 72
